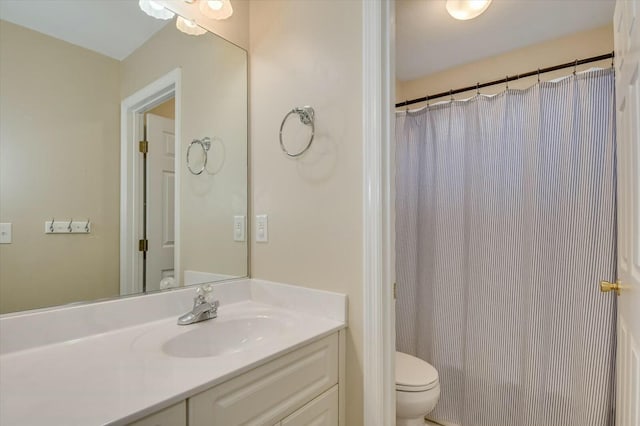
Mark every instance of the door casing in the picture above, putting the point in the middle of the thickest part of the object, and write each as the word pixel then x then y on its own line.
pixel 132 111
pixel 627 62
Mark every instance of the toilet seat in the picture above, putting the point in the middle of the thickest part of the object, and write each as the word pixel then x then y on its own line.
pixel 414 374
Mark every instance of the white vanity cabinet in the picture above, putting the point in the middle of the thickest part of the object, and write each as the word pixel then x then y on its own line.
pixel 322 411
pixel 176 415
pixel 300 388
pixel 278 360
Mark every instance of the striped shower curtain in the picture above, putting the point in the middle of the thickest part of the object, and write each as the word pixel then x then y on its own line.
pixel 505 224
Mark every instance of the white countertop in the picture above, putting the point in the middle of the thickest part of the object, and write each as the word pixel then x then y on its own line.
pixel 121 375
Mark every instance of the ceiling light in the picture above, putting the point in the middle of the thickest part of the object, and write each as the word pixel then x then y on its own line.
pixel 466 9
pixel 215 4
pixel 189 27
pixel 216 9
pixel 155 9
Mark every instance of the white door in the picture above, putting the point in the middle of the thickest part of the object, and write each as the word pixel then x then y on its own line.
pixel 160 200
pixel 627 51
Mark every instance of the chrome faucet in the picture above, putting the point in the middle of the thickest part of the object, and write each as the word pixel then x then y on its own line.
pixel 203 308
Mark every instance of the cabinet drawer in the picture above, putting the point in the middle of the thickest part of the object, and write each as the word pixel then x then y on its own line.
pixel 176 415
pixel 322 411
pixel 271 392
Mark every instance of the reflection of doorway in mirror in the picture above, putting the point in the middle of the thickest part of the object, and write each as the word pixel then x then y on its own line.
pixel 159 220
pixel 136 241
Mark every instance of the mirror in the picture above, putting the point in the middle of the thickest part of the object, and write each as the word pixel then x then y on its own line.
pixel 81 84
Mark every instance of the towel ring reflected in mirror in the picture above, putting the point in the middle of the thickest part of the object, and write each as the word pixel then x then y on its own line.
pixel 307 117
pixel 205 144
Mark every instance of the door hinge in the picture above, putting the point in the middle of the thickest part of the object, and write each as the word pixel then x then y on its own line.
pixel 395 291
pixel 143 147
pixel 143 245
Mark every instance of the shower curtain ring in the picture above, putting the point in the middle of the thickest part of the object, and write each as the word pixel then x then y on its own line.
pixel 538 75
pixel 478 88
pixel 575 67
pixel 451 94
pixel 506 82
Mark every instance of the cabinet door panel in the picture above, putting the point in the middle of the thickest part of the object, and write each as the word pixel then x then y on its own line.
pixel 271 392
pixel 322 411
pixel 176 415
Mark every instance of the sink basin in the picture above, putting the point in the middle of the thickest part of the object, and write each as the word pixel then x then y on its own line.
pixel 239 328
pixel 219 337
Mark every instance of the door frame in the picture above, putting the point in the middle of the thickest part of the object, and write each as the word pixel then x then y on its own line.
pixel 627 62
pixel 378 121
pixel 132 111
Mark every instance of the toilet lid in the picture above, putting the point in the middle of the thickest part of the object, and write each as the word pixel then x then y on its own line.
pixel 414 374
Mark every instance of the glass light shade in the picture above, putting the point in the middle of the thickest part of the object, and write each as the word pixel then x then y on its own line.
pixel 215 4
pixel 155 9
pixel 216 9
pixel 189 27
pixel 467 9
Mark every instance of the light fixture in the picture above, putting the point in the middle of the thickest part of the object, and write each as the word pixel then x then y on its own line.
pixel 215 4
pixel 216 9
pixel 189 27
pixel 466 9
pixel 155 9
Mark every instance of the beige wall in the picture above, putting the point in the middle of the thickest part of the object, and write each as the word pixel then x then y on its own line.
pixel 309 53
pixel 577 46
pixel 59 158
pixel 214 104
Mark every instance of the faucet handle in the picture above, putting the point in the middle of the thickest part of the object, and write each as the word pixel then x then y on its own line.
pixel 204 293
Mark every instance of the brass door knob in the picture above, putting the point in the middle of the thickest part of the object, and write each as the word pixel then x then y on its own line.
pixel 606 286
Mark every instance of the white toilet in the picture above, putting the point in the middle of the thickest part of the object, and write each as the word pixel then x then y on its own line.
pixel 417 390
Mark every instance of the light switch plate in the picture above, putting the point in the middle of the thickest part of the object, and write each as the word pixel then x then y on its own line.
pixel 5 233
pixel 239 226
pixel 262 228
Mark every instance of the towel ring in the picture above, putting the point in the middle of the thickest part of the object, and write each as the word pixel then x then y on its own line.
pixel 307 116
pixel 205 144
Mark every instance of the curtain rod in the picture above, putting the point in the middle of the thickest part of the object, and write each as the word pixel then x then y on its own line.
pixel 508 79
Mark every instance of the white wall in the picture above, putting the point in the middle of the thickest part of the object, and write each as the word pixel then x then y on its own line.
pixel 309 53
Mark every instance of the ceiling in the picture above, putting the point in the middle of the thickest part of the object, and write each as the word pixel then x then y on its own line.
pixel 428 40
pixel 114 28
